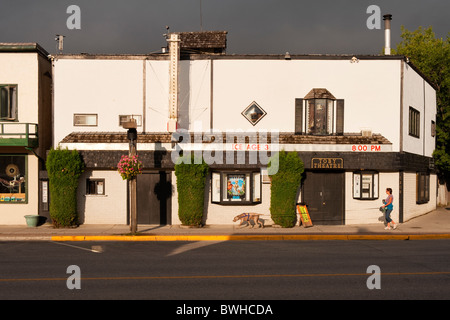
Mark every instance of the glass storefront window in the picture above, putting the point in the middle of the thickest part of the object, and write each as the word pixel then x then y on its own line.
pixel 13 179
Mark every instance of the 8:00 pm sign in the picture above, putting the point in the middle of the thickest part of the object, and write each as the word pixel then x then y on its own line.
pixel 366 148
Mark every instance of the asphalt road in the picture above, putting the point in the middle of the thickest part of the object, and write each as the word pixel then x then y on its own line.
pixel 230 270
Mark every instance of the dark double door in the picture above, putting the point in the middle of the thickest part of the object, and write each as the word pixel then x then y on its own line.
pixel 154 191
pixel 323 193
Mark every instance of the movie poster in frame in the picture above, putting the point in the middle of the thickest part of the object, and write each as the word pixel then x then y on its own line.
pixel 236 187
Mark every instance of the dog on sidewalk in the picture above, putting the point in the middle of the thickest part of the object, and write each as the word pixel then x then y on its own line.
pixel 248 217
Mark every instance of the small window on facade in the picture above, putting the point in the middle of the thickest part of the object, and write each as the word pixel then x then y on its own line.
pixel 254 113
pixel 126 118
pixel 13 179
pixel 422 187
pixel 414 122
pixel 319 116
pixel 8 102
pixel 433 128
pixel 85 120
pixel 236 187
pixel 95 186
pixel 365 185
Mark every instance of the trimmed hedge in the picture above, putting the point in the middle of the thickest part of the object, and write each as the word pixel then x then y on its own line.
pixel 191 178
pixel 64 169
pixel 284 187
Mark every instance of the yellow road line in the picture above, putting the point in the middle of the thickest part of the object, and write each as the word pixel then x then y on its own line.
pixel 235 276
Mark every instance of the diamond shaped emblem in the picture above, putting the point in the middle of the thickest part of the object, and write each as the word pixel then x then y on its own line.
pixel 254 113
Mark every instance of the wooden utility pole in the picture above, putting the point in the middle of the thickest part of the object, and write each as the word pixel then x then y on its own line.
pixel 132 137
pixel 133 201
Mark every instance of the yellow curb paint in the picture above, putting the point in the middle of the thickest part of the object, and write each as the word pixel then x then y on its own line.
pixel 200 238
pixel 429 236
pixel 247 237
pixel 378 237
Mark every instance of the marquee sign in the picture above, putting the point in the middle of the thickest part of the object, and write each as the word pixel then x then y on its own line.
pixel 327 163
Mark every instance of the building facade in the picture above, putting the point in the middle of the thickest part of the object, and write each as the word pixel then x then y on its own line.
pixel 25 130
pixel 360 124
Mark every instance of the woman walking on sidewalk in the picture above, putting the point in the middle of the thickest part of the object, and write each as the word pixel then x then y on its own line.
pixel 389 207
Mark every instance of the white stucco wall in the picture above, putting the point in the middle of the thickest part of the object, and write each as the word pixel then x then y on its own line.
pixel 115 86
pixel 194 95
pixel 411 208
pixel 371 89
pixel 157 95
pixel 418 94
pixel 110 208
pixel 367 211
pixel 22 70
pixel 108 88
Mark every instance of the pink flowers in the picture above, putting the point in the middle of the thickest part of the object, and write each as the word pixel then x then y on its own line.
pixel 129 167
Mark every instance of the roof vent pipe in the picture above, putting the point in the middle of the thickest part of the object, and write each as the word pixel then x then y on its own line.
pixel 387 33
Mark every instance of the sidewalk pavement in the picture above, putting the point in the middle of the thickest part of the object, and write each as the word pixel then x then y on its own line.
pixel 433 225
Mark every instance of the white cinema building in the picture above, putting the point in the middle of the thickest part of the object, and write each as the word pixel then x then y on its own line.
pixel 360 123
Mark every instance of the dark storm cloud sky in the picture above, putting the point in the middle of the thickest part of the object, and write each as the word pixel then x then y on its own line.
pixel 254 26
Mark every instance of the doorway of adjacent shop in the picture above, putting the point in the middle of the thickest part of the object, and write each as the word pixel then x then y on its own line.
pixel 323 193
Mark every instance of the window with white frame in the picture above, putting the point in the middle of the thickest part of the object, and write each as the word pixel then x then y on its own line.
pixel 365 185
pixel 236 187
pixel 85 120
pixel 127 118
pixel 95 186
pixel 8 102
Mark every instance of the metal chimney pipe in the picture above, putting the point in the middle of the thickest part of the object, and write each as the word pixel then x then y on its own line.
pixel 387 33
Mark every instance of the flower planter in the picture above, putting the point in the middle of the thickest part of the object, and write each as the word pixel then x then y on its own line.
pixel 32 220
pixel 129 167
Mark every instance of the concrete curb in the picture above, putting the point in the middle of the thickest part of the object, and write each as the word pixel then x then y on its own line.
pixel 249 237
pixel 25 238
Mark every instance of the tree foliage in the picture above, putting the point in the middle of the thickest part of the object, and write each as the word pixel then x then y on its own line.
pixel 432 56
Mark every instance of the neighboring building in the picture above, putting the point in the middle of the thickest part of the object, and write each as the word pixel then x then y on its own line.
pixel 25 130
pixel 360 123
